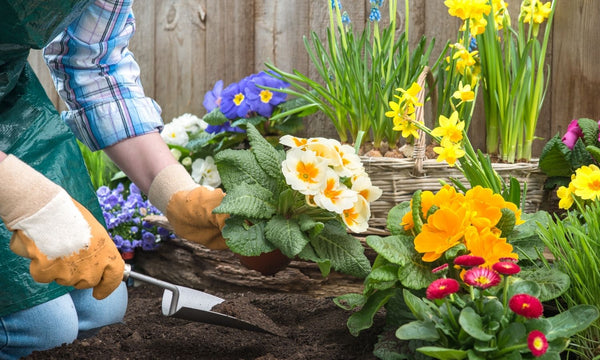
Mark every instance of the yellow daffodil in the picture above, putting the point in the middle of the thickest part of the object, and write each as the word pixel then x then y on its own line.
pixel 450 128
pixel 565 194
pixel 464 93
pixel 534 9
pixel 587 182
pixel 467 9
pixel 465 59
pixel 407 127
pixel 449 152
pixel 409 97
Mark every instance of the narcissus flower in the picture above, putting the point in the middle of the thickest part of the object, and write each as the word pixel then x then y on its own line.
pixel 537 343
pixel 526 305
pixel 482 278
pixel 449 152
pixel 450 128
pixel 441 288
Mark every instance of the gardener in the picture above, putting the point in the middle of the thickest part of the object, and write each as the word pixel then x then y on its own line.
pixel 61 275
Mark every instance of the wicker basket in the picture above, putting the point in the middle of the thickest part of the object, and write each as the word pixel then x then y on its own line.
pixel 400 178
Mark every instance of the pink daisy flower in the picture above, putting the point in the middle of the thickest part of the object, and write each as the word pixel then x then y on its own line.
pixel 469 260
pixel 526 305
pixel 537 343
pixel 441 288
pixel 506 267
pixel 481 277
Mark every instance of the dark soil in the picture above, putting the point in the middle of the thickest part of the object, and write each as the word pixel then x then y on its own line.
pixel 315 328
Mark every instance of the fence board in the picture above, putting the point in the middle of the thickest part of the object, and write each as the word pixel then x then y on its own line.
pixel 185 46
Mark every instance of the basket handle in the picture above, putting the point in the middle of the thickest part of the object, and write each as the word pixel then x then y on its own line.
pixel 420 142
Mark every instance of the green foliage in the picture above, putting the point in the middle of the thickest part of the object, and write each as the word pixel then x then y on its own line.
pixel 100 167
pixel 559 162
pixel 266 214
pixel 573 242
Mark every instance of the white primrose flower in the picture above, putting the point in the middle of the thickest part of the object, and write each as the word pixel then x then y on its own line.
pixel 356 218
pixel 190 122
pixel 362 185
pixel 325 148
pixel 335 197
pixel 292 141
pixel 304 171
pixel 175 134
pixel 351 163
pixel 204 172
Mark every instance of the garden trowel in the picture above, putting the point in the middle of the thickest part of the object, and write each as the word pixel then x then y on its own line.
pixel 189 304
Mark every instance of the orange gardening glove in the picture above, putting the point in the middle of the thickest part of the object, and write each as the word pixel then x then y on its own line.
pixel 64 241
pixel 188 206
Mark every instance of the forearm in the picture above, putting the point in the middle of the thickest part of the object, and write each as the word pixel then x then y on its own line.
pixel 141 158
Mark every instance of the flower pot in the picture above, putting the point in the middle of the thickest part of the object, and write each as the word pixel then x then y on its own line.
pixel 266 263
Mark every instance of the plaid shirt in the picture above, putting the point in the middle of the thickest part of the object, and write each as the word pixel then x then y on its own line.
pixel 98 78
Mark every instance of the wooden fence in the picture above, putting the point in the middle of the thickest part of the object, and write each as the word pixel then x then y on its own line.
pixel 185 46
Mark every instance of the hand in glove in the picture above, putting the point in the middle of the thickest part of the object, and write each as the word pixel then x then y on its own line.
pixel 64 241
pixel 188 206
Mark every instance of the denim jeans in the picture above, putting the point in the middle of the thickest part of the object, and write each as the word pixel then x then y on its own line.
pixel 62 320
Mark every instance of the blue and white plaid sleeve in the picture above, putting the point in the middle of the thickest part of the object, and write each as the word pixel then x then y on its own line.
pixel 98 78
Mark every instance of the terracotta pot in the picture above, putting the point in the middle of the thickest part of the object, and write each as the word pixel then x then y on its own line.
pixel 266 263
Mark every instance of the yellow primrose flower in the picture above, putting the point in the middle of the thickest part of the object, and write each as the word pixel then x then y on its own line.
pixel 534 9
pixel 450 128
pixel 335 197
pixel 304 171
pixel 449 152
pixel 488 245
pixel 356 218
pixel 407 127
pixel 444 229
pixel 464 93
pixel 587 182
pixel 565 194
pixel 486 207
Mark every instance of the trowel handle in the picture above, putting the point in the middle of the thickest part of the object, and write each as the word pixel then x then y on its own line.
pixel 128 273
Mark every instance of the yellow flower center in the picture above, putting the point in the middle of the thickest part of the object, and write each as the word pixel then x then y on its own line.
pixel 266 96
pixel 238 98
pixel 483 280
pixel 307 172
pixel 538 343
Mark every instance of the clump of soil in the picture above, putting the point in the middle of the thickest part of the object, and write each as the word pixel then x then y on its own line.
pixel 242 309
pixel 315 328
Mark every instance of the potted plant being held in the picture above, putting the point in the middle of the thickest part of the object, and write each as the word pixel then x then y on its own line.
pixel 300 202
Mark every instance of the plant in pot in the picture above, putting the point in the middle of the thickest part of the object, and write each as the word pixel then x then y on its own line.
pixel 448 279
pixel 300 202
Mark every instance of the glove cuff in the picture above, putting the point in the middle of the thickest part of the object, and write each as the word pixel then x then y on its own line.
pixel 23 190
pixel 170 180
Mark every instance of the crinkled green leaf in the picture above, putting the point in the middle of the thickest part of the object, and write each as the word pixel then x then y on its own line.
pixel 555 158
pixel 241 166
pixel 506 224
pixel 397 249
pixel 350 301
pixel 248 201
pixel 552 281
pixel 384 273
pixel 286 235
pixel 244 239
pixel 580 156
pixel 589 129
pixel 269 159
pixel 215 117
pixel 394 218
pixel 415 274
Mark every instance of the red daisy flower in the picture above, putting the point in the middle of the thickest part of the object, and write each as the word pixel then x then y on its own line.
pixel 441 288
pixel 481 277
pixel 508 259
pixel 469 260
pixel 537 343
pixel 506 267
pixel 526 305
pixel 440 268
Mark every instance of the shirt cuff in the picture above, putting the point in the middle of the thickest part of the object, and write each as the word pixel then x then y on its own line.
pixel 103 124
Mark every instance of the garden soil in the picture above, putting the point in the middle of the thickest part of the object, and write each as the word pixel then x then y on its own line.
pixel 313 328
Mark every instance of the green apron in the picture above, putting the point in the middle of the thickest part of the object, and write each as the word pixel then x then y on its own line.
pixel 32 130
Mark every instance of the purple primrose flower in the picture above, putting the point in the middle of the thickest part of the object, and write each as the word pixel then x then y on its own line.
pixel 572 135
pixel 263 101
pixel 212 98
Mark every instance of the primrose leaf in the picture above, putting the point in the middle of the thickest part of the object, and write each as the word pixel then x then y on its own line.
pixel 244 239
pixel 215 117
pixel 248 201
pixel 507 222
pixel 267 156
pixel 555 158
pixel 394 218
pixel 286 235
pixel 418 330
pixel 240 166
pixel 589 129
pixel 580 156
pixel 345 252
pixel 397 249
pixel 552 281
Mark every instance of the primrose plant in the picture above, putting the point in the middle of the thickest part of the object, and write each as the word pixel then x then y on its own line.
pixel 301 201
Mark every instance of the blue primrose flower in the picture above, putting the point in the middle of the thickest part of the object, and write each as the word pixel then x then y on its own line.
pixel 234 103
pixel 375 15
pixel 263 101
pixel 224 127
pixel 212 98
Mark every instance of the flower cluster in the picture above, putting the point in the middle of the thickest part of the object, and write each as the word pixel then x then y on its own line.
pixel 490 320
pixel 332 177
pixel 583 187
pixel 124 213
pixel 448 219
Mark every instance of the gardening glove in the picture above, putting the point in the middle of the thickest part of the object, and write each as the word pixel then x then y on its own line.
pixel 64 241
pixel 188 206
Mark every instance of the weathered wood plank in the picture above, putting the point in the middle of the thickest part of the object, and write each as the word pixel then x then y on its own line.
pixel 142 43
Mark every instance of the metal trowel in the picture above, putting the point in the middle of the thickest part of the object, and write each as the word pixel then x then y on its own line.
pixel 189 304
